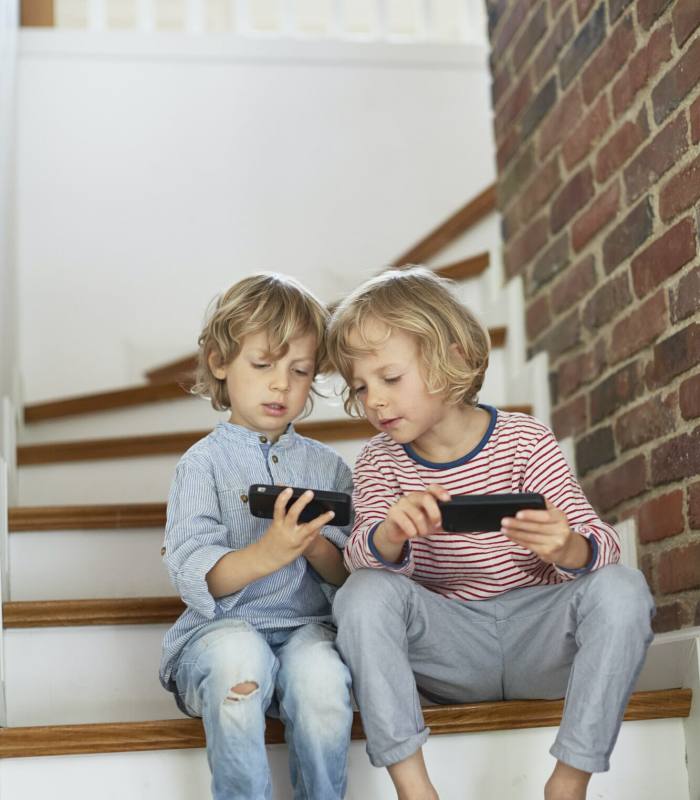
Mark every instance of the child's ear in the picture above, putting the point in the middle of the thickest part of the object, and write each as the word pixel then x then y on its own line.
pixel 214 361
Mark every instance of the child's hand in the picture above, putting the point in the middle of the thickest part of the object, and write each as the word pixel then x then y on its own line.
pixel 286 538
pixel 415 514
pixel 547 534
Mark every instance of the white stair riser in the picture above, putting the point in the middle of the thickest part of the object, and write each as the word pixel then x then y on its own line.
pixel 647 765
pixel 102 673
pixel 143 479
pixel 72 565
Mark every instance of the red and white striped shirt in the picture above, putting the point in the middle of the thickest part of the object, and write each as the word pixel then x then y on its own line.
pixel 517 454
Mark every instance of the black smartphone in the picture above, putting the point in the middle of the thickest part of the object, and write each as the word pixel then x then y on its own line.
pixel 262 498
pixel 484 512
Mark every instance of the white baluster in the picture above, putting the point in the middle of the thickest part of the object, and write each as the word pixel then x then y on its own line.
pixel 194 22
pixel 381 16
pixel 243 21
pixel 97 15
pixel 337 19
pixel 472 21
pixel 145 16
pixel 290 18
pixel 426 18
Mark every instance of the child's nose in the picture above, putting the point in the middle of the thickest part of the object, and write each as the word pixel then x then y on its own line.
pixel 280 380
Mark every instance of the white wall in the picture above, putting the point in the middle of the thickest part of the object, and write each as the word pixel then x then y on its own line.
pixel 8 290
pixel 155 171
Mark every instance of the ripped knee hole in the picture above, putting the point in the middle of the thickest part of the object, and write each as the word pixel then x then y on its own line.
pixel 241 691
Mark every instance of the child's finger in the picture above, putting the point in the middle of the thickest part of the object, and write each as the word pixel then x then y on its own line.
pixel 432 511
pixel 535 515
pixel 529 527
pixel 316 524
pixel 281 504
pixel 439 492
pixel 404 523
pixel 298 506
pixel 419 518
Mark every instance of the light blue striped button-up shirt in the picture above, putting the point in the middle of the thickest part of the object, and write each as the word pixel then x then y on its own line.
pixel 208 516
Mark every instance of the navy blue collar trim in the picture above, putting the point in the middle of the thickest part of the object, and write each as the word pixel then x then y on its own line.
pixel 411 453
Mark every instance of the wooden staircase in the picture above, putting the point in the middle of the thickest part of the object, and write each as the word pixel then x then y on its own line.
pixel 119 615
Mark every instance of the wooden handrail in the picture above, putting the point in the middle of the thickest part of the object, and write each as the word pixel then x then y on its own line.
pixel 101 611
pixel 179 734
pixel 37 13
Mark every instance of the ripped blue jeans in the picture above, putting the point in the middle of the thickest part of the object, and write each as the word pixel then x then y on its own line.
pixel 295 674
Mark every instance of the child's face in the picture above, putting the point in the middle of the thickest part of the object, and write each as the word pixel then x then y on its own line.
pixel 267 391
pixel 390 385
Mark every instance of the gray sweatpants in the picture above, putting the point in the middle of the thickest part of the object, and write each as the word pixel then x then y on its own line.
pixel 585 639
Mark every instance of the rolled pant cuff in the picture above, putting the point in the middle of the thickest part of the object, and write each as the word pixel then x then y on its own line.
pixel 579 761
pixel 400 752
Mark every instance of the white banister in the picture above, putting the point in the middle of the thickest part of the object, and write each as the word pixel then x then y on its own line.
pixel 194 19
pixel 145 15
pixel 97 15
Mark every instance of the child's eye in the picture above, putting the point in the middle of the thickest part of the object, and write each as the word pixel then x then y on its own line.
pixel 260 366
pixel 392 380
pixel 301 372
pixel 358 390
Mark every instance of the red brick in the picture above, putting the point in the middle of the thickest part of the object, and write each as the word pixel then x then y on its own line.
pixel 562 337
pixel 650 420
pixel 526 245
pixel 695 121
pixel 694 505
pixel 510 222
pixel 507 148
pixel 551 262
pixel 620 147
pixel 664 257
pixel 537 317
pixel 648 11
pixel 615 391
pixel 686 19
pixel 581 369
pixel 679 569
pixel 676 459
pixel 562 118
pixel 620 483
pixel 587 134
pixel 663 152
pixel 689 397
pixel 628 235
pixel 588 39
pixel 553 45
pixel 677 83
pixel 642 67
pixel 640 328
pixel 509 26
pixel 576 283
pixel 573 196
pixel 500 84
pixel 583 7
pixel 595 449
pixel 608 60
pixel 668 617
pixel 512 106
pixel 530 37
pixel 685 298
pixel 570 418
pixel 661 517
pixel 681 191
pixel 602 211
pixel 674 355
pixel 540 189
pixel 607 301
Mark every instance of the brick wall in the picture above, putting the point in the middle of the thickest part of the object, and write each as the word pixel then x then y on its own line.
pixel 597 123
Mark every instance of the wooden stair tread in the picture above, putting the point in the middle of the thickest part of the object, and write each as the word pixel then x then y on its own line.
pixel 86 517
pixel 98 611
pixel 104 401
pixel 168 443
pixel 176 734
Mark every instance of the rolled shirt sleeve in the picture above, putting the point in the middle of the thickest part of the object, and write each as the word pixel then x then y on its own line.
pixel 195 538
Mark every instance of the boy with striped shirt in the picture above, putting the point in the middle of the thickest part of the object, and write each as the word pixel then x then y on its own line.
pixel 537 609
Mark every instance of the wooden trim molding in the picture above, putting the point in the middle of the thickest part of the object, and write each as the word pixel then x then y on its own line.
pixel 102 611
pixel 173 443
pixel 466 268
pixel 474 211
pixel 181 369
pixel 37 13
pixel 178 734
pixel 104 401
pixel 76 518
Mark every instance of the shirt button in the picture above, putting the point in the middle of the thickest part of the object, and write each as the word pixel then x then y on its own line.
pixel 263 439
pixel 162 551
pixel 244 498
pixel 275 459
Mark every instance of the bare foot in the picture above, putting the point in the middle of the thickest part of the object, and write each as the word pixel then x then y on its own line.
pixel 566 783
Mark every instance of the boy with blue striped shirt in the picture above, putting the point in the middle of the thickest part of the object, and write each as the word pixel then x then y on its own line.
pixel 256 636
